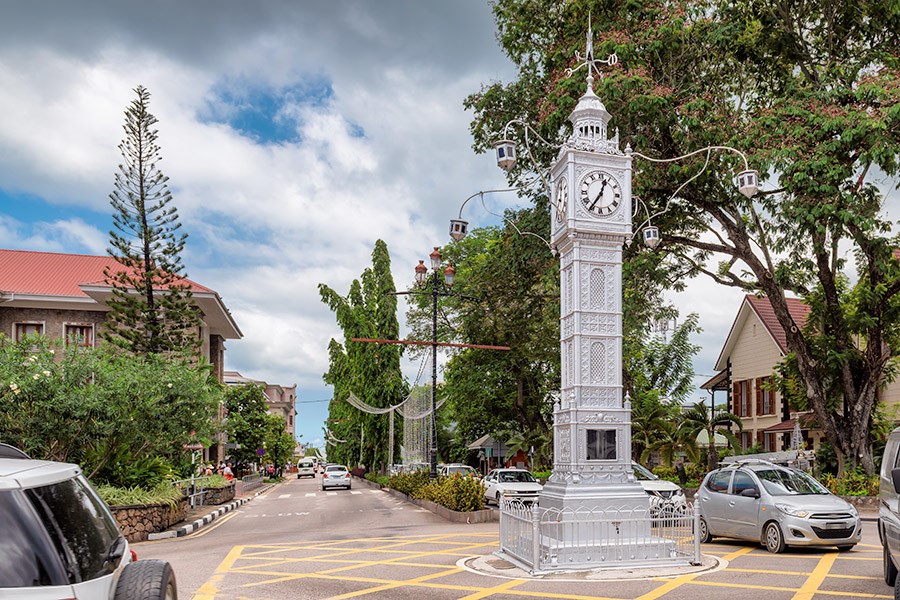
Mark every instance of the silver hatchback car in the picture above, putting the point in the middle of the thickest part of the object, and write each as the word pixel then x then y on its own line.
pixel 779 506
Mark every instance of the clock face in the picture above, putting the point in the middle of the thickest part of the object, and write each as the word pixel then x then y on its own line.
pixel 600 193
pixel 562 200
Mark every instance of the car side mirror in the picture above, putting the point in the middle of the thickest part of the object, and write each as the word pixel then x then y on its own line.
pixel 752 492
pixel 895 478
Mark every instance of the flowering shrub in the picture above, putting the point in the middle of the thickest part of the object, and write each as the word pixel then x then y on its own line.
pixel 853 483
pixel 459 493
pixel 408 483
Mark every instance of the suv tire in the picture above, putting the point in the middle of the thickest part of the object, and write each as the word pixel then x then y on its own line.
pixel 147 580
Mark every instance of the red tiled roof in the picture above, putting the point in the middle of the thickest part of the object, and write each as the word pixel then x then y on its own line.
pixel 763 308
pixel 807 421
pixel 53 274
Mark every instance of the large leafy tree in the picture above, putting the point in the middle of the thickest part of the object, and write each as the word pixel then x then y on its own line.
pixel 100 408
pixel 151 308
pixel 369 371
pixel 515 280
pixel 246 420
pixel 807 89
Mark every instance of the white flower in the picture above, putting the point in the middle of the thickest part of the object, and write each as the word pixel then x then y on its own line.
pixel 17 391
pixel 13 386
pixel 35 376
pixel 46 373
pixel 52 351
pixel 169 386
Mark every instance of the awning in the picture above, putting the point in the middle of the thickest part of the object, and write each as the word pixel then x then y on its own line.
pixel 807 422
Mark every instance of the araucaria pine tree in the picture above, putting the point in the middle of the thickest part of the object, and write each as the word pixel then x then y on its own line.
pixel 152 309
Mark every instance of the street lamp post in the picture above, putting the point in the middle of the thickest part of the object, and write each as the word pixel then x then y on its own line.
pixel 438 288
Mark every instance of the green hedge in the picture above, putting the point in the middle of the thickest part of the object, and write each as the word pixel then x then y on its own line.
pixel 164 493
pixel 457 492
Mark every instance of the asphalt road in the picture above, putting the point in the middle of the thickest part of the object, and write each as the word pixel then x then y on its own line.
pixel 298 542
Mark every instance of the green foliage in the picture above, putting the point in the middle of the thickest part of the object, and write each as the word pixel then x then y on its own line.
pixel 408 483
pixel 457 492
pixel 217 481
pixel 161 316
pixel 246 419
pixel 852 483
pixel 96 407
pixel 694 472
pixel 515 279
pixel 382 480
pixel 368 370
pixel 279 442
pixel 812 104
pixel 163 493
pixel 542 474
pixel 144 471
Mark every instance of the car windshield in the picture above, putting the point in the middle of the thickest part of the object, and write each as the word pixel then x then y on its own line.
pixel 642 474
pixel 788 482
pixel 335 469
pixel 516 477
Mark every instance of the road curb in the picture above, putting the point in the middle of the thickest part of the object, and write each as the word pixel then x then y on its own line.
pixel 207 519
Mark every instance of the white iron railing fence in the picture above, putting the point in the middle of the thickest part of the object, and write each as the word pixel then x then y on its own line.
pixel 547 540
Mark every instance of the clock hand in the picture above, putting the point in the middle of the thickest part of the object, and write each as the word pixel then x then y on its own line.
pixel 599 195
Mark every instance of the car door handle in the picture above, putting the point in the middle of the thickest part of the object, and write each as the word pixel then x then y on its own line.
pixel 731 503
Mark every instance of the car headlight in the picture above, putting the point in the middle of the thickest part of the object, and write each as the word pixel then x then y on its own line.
pixel 678 492
pixel 790 510
pixel 853 510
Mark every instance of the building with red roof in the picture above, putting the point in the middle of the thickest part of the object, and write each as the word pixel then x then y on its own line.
pixel 755 345
pixel 64 296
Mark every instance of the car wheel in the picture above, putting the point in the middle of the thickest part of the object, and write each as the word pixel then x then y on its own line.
pixel 703 532
pixel 147 580
pixel 773 538
pixel 897 589
pixel 497 498
pixel 890 569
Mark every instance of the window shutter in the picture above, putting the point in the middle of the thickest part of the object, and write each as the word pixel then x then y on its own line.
pixel 760 438
pixel 736 398
pixel 759 396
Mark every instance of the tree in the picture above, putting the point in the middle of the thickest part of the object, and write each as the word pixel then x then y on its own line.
pixel 808 91
pixel 246 418
pixel 102 409
pixel 279 442
pixel 370 371
pixel 698 419
pixel 515 279
pixel 151 308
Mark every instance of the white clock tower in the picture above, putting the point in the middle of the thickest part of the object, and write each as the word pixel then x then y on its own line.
pixel 591 181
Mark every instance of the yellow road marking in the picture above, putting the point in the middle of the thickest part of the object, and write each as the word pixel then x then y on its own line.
pixel 815 579
pixel 397 584
pixel 215 525
pixel 680 581
pixel 209 589
pixel 494 590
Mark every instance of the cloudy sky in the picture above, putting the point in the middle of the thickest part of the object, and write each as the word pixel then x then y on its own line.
pixel 294 134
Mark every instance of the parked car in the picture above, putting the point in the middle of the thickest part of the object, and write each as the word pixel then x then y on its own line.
pixel 306 467
pixel 59 539
pixel 454 468
pixel 335 476
pixel 779 506
pixel 889 511
pixel 515 484
pixel 664 495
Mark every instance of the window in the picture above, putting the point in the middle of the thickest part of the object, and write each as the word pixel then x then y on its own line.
pixel 718 482
pixel 601 444
pixel 740 397
pixel 26 329
pixel 742 481
pixel 81 335
pixel 765 396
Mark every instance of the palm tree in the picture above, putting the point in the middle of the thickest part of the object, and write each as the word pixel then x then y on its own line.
pixel 670 438
pixel 648 417
pixel 699 419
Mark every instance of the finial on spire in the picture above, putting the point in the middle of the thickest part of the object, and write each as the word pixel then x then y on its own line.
pixel 588 61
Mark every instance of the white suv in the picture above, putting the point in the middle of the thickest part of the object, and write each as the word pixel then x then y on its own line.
pixel 59 539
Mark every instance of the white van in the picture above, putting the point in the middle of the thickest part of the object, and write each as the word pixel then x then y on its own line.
pixel 306 467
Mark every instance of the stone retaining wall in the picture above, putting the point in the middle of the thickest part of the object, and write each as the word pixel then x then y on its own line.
pixel 219 495
pixel 138 521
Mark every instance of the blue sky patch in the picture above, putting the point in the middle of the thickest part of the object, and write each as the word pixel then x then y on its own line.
pixel 268 115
